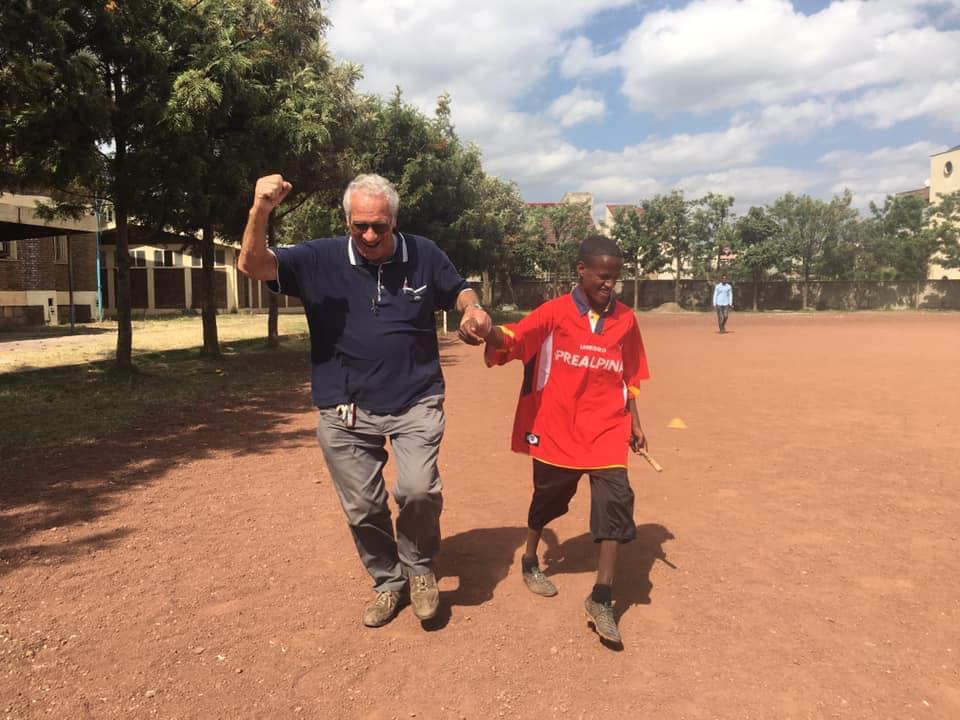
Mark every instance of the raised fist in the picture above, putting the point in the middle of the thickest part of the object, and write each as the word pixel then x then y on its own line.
pixel 270 192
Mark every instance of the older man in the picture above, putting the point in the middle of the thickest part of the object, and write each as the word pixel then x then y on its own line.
pixel 369 298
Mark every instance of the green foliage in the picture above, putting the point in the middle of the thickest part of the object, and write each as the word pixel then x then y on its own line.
pixel 895 244
pixel 814 233
pixel 757 246
pixel 943 230
pixel 712 230
pixel 555 232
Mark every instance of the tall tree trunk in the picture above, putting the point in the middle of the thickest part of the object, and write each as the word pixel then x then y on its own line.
pixel 124 356
pixel 486 288
pixel 676 283
pixel 211 345
pixel 756 293
pixel 121 210
pixel 511 293
pixel 73 313
pixel 273 306
pixel 636 284
pixel 804 288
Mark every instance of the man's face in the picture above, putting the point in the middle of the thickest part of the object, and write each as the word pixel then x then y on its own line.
pixel 371 226
pixel 598 275
pixel 723 278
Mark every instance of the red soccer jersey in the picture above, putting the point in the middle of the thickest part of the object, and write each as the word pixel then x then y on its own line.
pixel 572 410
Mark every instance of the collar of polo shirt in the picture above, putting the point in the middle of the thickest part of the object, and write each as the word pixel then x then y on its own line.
pixel 584 307
pixel 399 251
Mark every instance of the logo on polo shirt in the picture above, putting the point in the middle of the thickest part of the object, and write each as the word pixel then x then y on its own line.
pixel 533 439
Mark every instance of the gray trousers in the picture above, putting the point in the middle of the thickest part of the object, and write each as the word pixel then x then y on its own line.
pixel 722 312
pixel 356 456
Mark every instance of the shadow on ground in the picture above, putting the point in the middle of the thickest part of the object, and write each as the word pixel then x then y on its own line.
pixel 79 482
pixel 46 333
pixel 636 558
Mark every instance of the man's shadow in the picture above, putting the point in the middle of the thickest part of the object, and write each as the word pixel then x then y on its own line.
pixel 480 558
pixel 635 559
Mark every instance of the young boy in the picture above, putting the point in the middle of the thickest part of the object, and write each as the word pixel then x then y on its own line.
pixel 583 361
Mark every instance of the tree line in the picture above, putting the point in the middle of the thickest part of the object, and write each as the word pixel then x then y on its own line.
pixel 170 109
pixel 795 237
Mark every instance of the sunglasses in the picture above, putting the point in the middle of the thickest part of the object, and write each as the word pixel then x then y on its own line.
pixel 378 227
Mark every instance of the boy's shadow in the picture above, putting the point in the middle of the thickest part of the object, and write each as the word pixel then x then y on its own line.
pixel 635 559
pixel 480 558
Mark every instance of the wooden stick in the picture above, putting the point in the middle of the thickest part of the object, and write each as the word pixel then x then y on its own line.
pixel 653 463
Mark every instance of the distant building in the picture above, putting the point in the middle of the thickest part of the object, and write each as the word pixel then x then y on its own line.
pixel 44 264
pixel 944 179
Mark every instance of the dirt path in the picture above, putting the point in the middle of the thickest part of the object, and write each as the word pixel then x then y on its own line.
pixel 808 517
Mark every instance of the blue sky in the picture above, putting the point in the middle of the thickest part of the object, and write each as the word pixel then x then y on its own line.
pixel 751 98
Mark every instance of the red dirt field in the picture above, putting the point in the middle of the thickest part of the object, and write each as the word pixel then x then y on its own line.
pixel 799 557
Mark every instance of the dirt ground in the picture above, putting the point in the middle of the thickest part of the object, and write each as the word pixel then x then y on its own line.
pixel 799 557
pixel 92 342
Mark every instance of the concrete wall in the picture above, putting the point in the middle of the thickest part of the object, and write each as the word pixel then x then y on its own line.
pixel 698 295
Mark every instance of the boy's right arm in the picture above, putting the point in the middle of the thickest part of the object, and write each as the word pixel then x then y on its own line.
pixel 255 260
pixel 521 340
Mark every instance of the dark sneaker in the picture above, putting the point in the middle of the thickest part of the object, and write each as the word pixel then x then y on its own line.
pixel 382 609
pixel 538 583
pixel 424 595
pixel 601 615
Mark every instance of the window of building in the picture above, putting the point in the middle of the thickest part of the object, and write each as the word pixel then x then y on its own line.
pixel 167 258
pixel 948 169
pixel 138 258
pixel 60 248
pixel 219 257
pixel 8 250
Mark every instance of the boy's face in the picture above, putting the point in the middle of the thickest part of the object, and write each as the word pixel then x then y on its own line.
pixel 598 275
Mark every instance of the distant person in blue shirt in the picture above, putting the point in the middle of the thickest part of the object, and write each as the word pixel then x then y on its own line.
pixel 723 301
pixel 370 298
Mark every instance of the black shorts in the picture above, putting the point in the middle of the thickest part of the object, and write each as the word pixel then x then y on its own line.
pixel 611 500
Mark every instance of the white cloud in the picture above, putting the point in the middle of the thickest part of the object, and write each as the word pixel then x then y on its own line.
pixel 874 175
pixel 767 75
pixel 580 59
pixel 496 50
pixel 729 53
pixel 578 106
pixel 751 185
pixel 939 101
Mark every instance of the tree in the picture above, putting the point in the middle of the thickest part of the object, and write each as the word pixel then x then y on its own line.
pixel 944 229
pixel 808 227
pixel 108 64
pixel 896 247
pixel 492 223
pixel 712 228
pixel 758 248
pixel 260 94
pixel 558 229
pixel 636 236
pixel 669 215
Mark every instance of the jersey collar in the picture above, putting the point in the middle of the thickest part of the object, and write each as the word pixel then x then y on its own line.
pixel 399 251
pixel 583 306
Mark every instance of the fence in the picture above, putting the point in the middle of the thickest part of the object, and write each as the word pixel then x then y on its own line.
pixel 698 295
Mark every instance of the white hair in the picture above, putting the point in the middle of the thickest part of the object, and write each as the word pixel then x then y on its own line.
pixel 374 186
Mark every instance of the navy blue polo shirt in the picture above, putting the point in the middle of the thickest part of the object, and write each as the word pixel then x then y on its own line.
pixel 373 337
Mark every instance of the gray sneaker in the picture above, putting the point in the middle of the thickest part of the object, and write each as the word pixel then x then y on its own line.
pixel 538 583
pixel 424 595
pixel 601 615
pixel 382 609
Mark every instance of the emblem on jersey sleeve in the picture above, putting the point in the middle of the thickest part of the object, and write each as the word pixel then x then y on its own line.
pixel 533 439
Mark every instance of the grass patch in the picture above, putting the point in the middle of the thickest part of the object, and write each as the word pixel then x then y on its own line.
pixel 52 405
